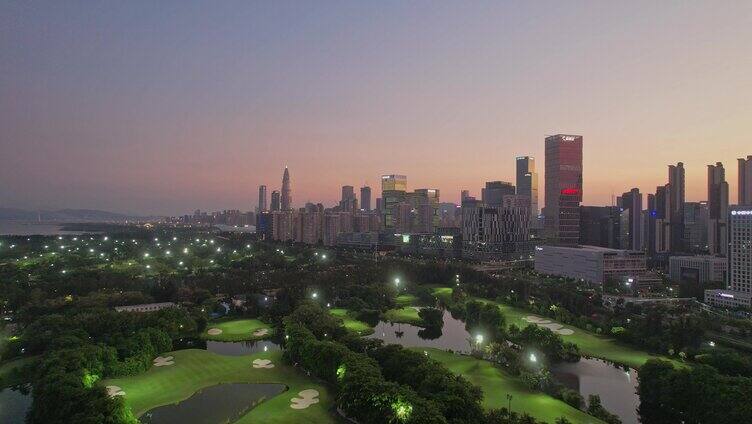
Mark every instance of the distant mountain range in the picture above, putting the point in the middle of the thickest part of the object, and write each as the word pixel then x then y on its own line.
pixel 66 215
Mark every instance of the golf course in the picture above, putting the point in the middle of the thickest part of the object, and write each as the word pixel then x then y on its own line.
pixel 405 315
pixel 189 371
pixel 590 344
pixel 350 323
pixel 496 385
pixel 237 330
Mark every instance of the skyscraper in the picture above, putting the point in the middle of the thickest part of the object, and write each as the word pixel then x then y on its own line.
pixel 563 187
pixel 393 188
pixel 527 184
pixel 676 206
pixel 286 191
pixel 262 198
pixel 275 200
pixel 365 198
pixel 348 203
pixel 631 205
pixel 494 191
pixel 718 191
pixel 464 194
pixel 745 180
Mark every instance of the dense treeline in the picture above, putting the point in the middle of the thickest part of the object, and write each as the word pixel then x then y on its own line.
pixel 692 395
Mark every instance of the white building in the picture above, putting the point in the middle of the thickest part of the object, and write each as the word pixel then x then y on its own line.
pixel 590 263
pixel 739 292
pixel 145 307
pixel 697 269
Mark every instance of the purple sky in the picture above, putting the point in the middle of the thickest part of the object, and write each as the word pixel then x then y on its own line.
pixel 165 107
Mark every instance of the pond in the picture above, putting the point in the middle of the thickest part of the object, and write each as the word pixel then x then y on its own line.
pixel 616 386
pixel 452 335
pixel 218 404
pixel 228 348
pixel 13 405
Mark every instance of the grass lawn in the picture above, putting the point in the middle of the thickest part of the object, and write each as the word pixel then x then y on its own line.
pixel 351 323
pixel 405 315
pixel 236 330
pixel 590 344
pixel 196 369
pixel 496 384
pixel 406 300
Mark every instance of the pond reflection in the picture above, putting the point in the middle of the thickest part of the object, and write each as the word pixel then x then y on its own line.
pixel 451 336
pixel 616 386
pixel 218 404
pixel 14 403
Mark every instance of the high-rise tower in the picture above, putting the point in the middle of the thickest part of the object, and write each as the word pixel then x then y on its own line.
pixel 527 184
pixel 275 200
pixel 286 199
pixel 365 198
pixel 262 198
pixel 676 206
pixel 745 181
pixel 393 188
pixel 718 191
pixel 563 187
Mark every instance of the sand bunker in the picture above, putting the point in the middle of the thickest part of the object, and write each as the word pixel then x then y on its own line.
pixel 307 398
pixel 160 361
pixel 261 332
pixel 113 391
pixel 214 331
pixel 262 363
pixel 555 327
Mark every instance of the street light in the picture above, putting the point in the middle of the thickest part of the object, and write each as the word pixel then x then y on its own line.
pixel 315 295
pixel 533 358
pixel 479 339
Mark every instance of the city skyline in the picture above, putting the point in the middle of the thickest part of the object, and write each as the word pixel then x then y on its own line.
pixel 110 108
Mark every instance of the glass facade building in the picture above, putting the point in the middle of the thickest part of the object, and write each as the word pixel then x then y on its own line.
pixel 563 188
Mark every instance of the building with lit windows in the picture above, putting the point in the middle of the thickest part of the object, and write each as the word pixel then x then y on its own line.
pixel 563 188
pixel 393 189
pixel 739 288
pixel 590 263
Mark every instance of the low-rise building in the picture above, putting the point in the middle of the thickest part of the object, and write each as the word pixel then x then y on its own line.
pixel 725 298
pixel 697 269
pixel 593 264
pixel 145 307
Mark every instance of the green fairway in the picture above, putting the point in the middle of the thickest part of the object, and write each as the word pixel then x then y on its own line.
pixel 351 323
pixel 590 344
pixel 406 300
pixel 196 369
pixel 496 385
pixel 405 315
pixel 237 330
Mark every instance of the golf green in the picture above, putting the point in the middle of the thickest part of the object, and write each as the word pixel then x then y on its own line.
pixel 352 324
pixel 406 315
pixel 590 344
pixel 237 330
pixel 496 385
pixel 406 299
pixel 196 369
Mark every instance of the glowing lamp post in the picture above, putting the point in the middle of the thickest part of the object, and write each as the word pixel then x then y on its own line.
pixel 533 358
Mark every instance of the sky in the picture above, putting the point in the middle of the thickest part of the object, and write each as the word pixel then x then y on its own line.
pixel 166 107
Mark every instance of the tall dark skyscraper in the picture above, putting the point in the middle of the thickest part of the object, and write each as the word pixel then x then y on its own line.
pixel 563 188
pixel 745 181
pixel 365 198
pixel 348 202
pixel 275 200
pixel 527 184
pixel 286 198
pixel 464 194
pixel 262 198
pixel 631 206
pixel 676 206
pixel 718 207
